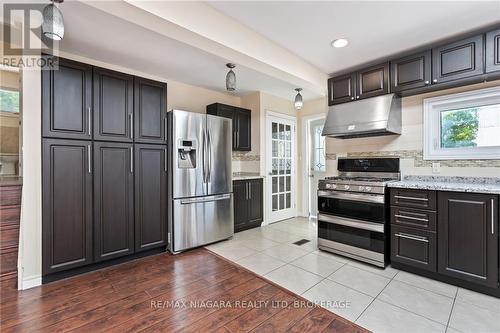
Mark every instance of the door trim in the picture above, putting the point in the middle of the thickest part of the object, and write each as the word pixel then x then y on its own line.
pixel 268 152
pixel 305 155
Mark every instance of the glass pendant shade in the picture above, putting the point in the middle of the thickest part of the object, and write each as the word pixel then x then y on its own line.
pixel 230 78
pixel 298 99
pixel 53 23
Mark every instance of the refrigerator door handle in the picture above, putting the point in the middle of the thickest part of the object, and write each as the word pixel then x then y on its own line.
pixel 203 156
pixel 209 143
pixel 205 199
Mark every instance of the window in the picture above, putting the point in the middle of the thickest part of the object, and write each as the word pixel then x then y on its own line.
pixel 319 163
pixel 463 126
pixel 9 101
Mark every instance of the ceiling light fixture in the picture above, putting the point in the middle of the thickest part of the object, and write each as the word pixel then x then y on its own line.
pixel 230 78
pixel 53 22
pixel 341 42
pixel 298 99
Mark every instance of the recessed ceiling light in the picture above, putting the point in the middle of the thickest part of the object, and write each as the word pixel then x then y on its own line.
pixel 341 42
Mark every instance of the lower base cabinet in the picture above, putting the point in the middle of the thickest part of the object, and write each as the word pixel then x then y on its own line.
pixel 468 237
pixel 457 243
pixel 101 201
pixel 248 204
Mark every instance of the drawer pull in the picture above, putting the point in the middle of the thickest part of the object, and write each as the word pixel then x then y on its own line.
pixel 410 198
pixel 417 238
pixel 411 218
pixel 492 216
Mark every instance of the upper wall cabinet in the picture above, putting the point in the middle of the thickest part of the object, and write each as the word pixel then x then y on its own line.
pixel 242 122
pixel 458 60
pixel 342 89
pixel 67 101
pixel 411 72
pixel 493 51
pixel 150 111
pixel 372 81
pixel 113 105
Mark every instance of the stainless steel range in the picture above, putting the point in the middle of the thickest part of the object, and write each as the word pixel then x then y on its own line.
pixel 353 209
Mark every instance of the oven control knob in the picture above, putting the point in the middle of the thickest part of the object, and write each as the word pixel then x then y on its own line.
pixel 368 189
pixel 346 187
pixel 361 188
pixel 328 185
pixel 334 186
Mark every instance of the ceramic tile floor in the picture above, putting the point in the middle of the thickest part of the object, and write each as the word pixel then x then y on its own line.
pixel 386 300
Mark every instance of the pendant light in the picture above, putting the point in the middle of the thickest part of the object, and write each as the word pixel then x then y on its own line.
pixel 298 99
pixel 53 22
pixel 230 78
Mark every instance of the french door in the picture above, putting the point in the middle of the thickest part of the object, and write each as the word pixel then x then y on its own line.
pixel 280 160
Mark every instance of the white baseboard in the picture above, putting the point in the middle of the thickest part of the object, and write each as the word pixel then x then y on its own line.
pixel 30 282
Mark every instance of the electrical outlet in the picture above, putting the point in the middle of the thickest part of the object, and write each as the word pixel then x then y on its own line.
pixel 436 167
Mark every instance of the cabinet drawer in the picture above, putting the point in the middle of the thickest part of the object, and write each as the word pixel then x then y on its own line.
pixel 414 247
pixel 416 218
pixel 413 198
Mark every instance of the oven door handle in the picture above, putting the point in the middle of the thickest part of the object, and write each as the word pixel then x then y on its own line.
pixel 371 226
pixel 352 196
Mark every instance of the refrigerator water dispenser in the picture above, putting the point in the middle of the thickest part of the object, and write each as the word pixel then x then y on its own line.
pixel 186 151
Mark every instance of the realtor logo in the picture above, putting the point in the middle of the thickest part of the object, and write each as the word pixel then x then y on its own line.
pixel 23 38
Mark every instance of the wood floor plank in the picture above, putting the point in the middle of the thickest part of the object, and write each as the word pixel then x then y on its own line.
pixel 126 298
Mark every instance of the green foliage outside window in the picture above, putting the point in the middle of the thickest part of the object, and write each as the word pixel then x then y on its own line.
pixel 459 128
pixel 9 100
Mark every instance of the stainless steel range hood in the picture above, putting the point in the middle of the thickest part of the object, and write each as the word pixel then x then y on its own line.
pixel 374 116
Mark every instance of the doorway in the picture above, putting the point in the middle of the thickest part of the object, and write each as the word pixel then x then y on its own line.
pixel 280 164
pixel 314 162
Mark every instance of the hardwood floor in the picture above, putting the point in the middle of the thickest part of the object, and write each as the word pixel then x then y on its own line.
pixel 192 292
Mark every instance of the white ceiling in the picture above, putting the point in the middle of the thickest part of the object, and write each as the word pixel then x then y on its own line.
pixel 375 29
pixel 94 34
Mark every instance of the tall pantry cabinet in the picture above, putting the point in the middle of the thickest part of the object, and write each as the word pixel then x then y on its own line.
pixel 103 164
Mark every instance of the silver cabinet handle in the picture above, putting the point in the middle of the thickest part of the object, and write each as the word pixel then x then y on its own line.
pixel 246 191
pixel 89 158
pixel 412 237
pixel 165 128
pixel 492 216
pixel 131 159
pixel 411 218
pixel 89 114
pixel 352 98
pixel 427 82
pixel 410 198
pixel 435 80
pixel 165 160
pixel 357 97
pixel 131 120
pixel 249 191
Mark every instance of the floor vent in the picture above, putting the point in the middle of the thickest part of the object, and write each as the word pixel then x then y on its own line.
pixel 301 242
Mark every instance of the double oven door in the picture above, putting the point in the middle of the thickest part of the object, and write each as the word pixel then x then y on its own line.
pixel 353 224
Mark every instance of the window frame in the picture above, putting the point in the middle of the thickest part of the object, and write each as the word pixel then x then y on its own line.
pixel 432 125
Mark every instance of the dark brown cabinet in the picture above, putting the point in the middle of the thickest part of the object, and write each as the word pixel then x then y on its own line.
pixel 150 196
pixel 493 51
pixel 113 105
pixel 468 237
pixel 372 81
pixel 458 60
pixel 248 203
pixel 150 111
pixel 411 72
pixel 342 89
pixel 67 101
pixel 113 200
pixel 66 204
pixel 414 247
pixel 242 124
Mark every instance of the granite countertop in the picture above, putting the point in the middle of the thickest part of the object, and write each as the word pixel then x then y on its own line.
pixel 246 175
pixel 454 184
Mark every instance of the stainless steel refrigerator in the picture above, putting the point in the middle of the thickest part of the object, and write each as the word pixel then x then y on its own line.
pixel 200 179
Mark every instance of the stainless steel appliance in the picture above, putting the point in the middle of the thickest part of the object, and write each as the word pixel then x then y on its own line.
pixel 374 116
pixel 353 209
pixel 200 180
